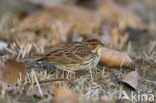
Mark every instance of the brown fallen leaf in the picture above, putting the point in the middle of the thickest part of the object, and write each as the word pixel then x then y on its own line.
pixel 13 71
pixel 63 95
pixel 113 58
pixel 131 79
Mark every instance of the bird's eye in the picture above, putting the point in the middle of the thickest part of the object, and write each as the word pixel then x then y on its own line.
pixel 94 44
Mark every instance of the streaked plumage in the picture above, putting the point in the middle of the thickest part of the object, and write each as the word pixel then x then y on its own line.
pixel 74 55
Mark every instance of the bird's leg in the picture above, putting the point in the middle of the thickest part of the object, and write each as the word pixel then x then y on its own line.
pixel 69 71
pixel 91 73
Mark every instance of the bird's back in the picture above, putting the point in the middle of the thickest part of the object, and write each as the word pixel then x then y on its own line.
pixel 69 55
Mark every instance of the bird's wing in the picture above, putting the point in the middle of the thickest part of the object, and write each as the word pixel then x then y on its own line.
pixel 69 53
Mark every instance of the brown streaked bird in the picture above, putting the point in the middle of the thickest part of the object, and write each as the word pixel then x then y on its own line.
pixel 74 55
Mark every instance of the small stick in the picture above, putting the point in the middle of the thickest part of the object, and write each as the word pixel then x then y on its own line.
pixel 55 80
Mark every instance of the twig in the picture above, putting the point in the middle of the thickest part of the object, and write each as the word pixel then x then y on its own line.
pixel 56 80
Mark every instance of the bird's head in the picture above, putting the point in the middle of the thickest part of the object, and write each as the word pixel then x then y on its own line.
pixel 94 45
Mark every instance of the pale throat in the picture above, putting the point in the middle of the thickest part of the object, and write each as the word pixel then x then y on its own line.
pixel 99 51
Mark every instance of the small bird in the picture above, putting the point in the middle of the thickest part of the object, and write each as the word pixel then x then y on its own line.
pixel 74 56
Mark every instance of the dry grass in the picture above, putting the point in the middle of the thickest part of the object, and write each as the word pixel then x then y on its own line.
pixel 88 88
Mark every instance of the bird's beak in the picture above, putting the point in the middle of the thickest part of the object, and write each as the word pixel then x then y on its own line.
pixel 102 44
